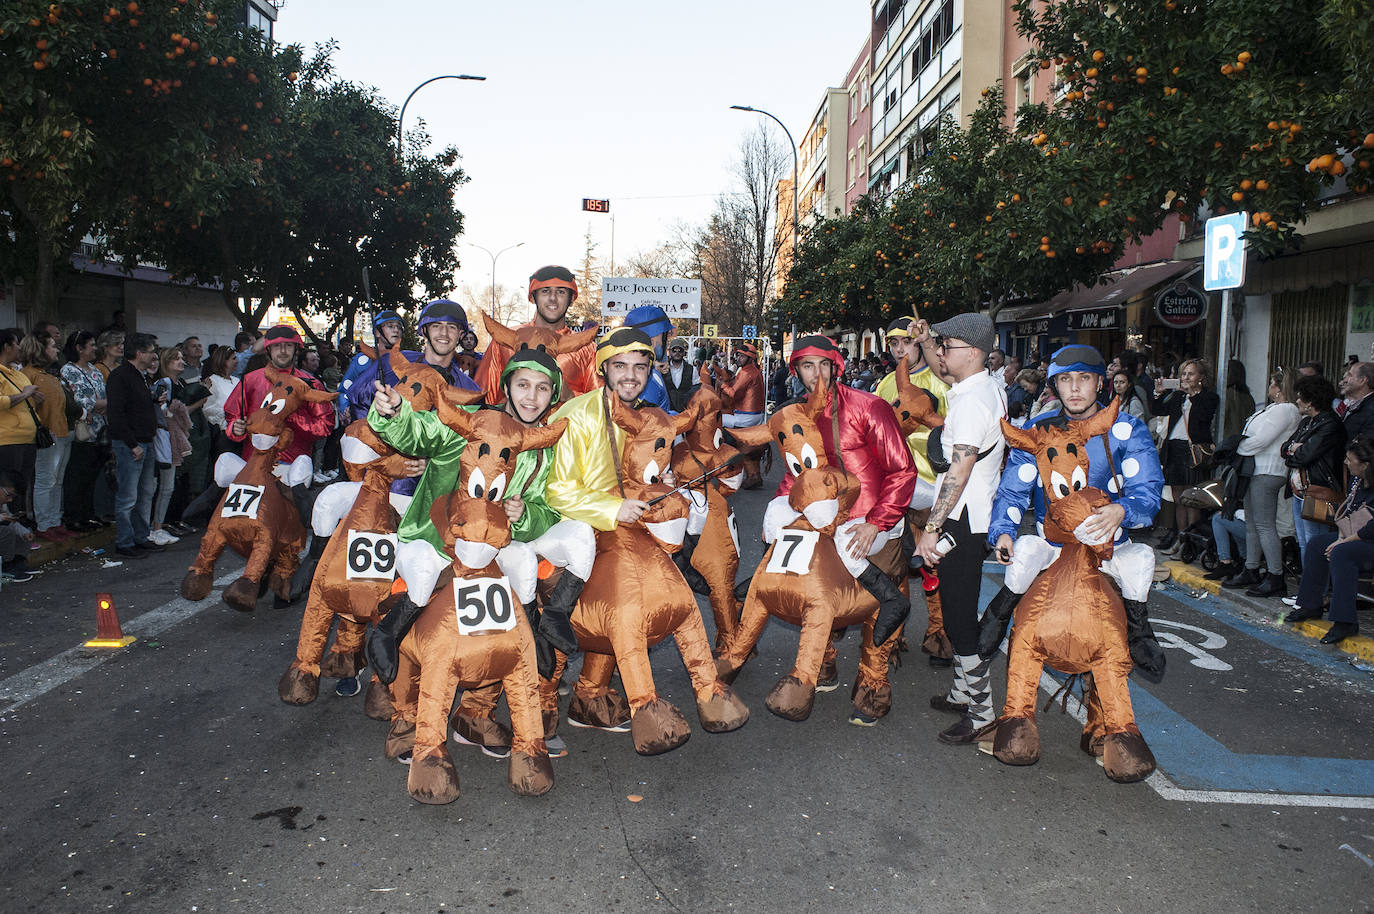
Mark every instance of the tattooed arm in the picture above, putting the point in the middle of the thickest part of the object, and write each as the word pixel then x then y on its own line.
pixel 952 485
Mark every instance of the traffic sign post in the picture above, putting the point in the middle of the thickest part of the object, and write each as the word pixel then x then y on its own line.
pixel 1223 269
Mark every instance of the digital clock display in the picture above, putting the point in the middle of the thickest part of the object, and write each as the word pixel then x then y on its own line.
pixel 596 206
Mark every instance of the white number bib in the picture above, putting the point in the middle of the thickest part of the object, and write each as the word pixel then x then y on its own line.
pixel 484 605
pixel 734 531
pixel 242 501
pixel 371 556
pixel 792 551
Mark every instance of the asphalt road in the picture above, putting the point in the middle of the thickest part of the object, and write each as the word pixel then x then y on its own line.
pixel 168 777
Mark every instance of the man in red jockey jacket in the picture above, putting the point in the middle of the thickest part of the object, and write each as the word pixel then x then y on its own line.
pixel 745 390
pixel 308 424
pixel 552 291
pixel 871 447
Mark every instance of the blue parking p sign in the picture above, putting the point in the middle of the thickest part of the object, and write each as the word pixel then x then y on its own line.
pixel 750 331
pixel 1224 252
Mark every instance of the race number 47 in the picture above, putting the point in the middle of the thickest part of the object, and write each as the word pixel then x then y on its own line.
pixel 371 556
pixel 484 605
pixel 792 552
pixel 242 501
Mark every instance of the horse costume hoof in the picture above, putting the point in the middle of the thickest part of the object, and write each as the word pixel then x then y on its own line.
pixel 377 702
pixel 530 775
pixel 1092 743
pixel 1126 758
pixel 726 671
pixel 242 595
pixel 791 699
pixel 400 739
pixel 196 586
pixel 341 666
pixel 297 687
pixel 1017 742
pixel 433 779
pixel 873 701
pixel 602 712
pixel 724 712
pixel 658 727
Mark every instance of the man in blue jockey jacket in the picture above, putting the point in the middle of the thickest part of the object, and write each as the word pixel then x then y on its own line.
pixel 655 325
pixel 386 330
pixel 1131 477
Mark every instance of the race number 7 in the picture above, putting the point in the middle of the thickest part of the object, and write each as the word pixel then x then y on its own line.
pixel 242 501
pixel 792 552
pixel 483 605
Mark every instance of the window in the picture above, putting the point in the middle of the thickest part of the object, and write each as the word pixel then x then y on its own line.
pixel 935 35
pixel 256 19
pixel 849 171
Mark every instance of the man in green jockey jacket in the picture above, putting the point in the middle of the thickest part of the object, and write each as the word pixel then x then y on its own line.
pixel 531 383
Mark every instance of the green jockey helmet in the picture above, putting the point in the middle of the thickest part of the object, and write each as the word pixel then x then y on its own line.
pixel 535 360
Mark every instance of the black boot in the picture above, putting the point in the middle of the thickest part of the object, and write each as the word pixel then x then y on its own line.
pixel 742 588
pixel 383 647
pixel 683 560
pixel 992 628
pixel 1224 570
pixel 1247 578
pixel 555 622
pixel 300 581
pixel 1145 650
pixel 1272 586
pixel 893 608
pixel 543 651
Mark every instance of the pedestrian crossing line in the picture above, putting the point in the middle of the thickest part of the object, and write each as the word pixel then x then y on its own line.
pixel 41 678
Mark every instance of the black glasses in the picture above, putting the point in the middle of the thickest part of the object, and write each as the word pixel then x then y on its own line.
pixel 943 345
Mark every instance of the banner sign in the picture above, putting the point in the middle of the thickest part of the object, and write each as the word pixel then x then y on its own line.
pixel 1096 319
pixel 677 297
pixel 1038 326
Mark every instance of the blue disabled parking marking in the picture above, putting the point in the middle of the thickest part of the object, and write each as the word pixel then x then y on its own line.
pixel 1195 761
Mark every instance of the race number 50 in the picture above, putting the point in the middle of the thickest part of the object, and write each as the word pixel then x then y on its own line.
pixel 242 501
pixel 484 605
pixel 792 551
pixel 371 556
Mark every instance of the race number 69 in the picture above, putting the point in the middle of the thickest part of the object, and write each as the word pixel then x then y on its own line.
pixel 483 605
pixel 371 556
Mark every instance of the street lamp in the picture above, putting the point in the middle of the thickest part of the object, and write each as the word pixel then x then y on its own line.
pixel 493 266
pixel 400 120
pixel 795 169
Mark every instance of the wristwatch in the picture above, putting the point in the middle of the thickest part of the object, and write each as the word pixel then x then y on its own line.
pixel 934 528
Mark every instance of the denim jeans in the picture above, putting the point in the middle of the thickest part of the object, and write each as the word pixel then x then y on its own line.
pixel 134 499
pixel 1342 570
pixel 1305 529
pixel 1225 530
pixel 49 470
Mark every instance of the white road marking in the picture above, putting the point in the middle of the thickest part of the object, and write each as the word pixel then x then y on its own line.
pixel 1168 790
pixel 40 679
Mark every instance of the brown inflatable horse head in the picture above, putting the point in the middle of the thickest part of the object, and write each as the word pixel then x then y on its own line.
pixel 420 384
pixel 1061 456
pixel 704 438
pixel 532 337
pixel 473 513
pixel 916 407
pixel 798 436
pixel 648 454
pixel 362 450
pixel 267 427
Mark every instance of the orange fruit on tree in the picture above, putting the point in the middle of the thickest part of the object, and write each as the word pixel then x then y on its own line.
pixel 1261 184
pixel 1244 57
pixel 1099 56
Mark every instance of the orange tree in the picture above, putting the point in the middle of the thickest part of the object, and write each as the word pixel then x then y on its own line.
pixel 97 107
pixel 1203 106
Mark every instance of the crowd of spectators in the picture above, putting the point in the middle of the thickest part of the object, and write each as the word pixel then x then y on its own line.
pixel 109 427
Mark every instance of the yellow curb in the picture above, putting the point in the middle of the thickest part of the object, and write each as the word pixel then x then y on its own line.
pixel 1361 646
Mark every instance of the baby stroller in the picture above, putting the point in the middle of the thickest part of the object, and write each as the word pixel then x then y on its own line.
pixel 1224 493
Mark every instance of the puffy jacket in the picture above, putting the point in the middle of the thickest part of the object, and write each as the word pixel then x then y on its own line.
pixel 424 435
pixel 1137 483
pixel 582 482
pixel 578 367
pixel 873 449
pixel 916 441
pixel 308 424
pixel 746 389
pixel 1318 446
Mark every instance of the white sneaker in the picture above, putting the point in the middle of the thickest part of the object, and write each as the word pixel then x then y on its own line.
pixel 321 478
pixel 163 538
pixel 1291 601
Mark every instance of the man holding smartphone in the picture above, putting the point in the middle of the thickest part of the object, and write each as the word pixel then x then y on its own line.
pixel 972 446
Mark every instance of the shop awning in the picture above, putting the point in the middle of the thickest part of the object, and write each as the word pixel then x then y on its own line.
pixel 1120 287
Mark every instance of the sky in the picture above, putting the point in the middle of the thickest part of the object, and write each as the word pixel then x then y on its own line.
pixel 622 100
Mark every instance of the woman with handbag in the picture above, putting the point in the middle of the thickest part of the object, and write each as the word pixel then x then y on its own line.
pixel 39 352
pixel 18 424
pixel 1313 457
pixel 89 452
pixel 1264 435
pixel 1339 555
pixel 1188 443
